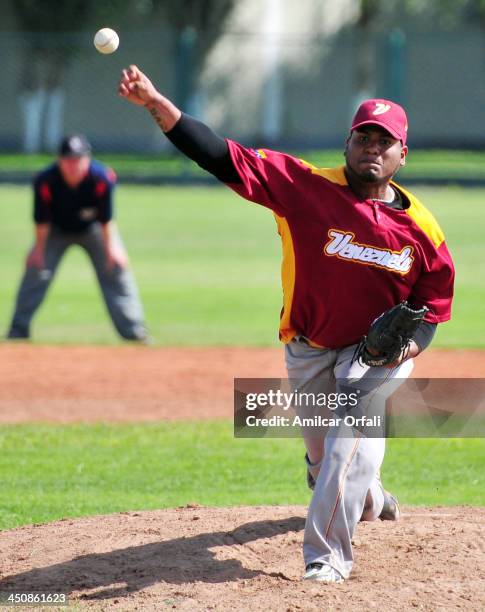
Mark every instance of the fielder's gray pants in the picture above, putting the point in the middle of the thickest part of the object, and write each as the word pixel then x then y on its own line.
pixel 117 285
pixel 346 467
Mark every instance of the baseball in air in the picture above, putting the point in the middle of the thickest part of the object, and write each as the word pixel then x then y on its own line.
pixel 106 40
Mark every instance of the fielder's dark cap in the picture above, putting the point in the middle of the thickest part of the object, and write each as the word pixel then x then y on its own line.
pixel 76 145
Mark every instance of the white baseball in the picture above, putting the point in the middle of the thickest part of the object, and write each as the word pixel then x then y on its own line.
pixel 106 40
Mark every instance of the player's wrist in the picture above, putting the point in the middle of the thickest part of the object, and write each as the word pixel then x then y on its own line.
pixel 156 101
pixel 164 113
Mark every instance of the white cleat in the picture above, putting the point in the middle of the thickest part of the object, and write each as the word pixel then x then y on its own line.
pixel 322 573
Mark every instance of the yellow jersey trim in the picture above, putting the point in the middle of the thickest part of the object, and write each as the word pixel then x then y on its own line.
pixel 287 333
pixel 334 175
pixel 422 217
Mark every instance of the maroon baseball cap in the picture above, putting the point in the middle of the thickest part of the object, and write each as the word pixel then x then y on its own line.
pixel 384 113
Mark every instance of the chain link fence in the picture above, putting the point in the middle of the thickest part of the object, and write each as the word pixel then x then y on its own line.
pixel 296 90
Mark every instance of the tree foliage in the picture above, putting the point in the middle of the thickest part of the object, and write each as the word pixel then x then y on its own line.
pixel 446 14
pixel 206 18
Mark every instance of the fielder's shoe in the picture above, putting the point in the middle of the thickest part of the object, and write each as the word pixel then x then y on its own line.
pixel 322 573
pixel 390 510
pixel 145 340
pixel 18 333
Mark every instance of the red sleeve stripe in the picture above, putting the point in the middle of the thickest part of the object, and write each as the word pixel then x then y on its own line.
pixel 45 193
pixel 100 189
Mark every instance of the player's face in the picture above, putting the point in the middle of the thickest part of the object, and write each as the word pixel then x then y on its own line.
pixel 74 169
pixel 373 155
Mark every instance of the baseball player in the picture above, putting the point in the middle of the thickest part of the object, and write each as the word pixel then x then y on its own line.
pixel 73 206
pixel 355 244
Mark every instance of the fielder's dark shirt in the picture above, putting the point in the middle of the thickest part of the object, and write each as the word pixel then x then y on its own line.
pixel 74 210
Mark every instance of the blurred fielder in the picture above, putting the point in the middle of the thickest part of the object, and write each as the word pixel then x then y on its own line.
pixel 73 206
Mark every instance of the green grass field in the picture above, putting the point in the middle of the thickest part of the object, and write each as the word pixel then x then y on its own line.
pixel 208 265
pixel 439 164
pixel 50 472
pixel 208 268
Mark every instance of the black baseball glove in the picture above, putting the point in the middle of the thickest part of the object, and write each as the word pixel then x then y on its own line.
pixel 389 335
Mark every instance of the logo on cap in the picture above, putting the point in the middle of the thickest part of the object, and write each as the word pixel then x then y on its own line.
pixel 381 108
pixel 76 143
pixel 384 113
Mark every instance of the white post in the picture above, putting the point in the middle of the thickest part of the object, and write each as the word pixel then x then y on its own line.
pixel 54 119
pixel 272 94
pixel 32 107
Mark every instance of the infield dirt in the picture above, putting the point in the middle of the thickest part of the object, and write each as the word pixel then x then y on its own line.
pixel 199 558
pixel 136 383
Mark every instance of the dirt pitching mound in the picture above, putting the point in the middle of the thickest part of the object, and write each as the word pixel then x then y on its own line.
pixel 247 558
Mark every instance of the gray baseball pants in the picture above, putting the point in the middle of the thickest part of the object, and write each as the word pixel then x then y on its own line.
pixel 346 467
pixel 117 285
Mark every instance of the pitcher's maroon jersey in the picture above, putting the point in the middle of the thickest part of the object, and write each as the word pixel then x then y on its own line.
pixel 345 261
